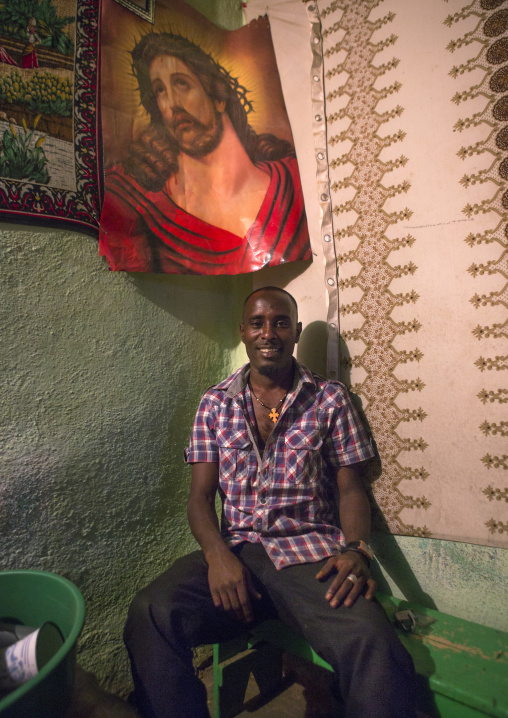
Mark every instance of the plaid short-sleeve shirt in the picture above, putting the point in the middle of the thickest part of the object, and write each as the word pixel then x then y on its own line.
pixel 284 497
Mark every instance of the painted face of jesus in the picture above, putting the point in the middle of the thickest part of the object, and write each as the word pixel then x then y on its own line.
pixel 191 117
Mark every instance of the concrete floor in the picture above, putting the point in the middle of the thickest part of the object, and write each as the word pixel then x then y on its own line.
pixel 304 694
pixel 305 697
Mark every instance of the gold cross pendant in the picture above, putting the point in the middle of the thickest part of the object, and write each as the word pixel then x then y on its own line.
pixel 274 415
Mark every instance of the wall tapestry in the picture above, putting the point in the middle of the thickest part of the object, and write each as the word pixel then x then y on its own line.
pixel 417 131
pixel 49 159
pixel 201 175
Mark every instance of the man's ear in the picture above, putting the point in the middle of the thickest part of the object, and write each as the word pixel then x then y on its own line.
pixel 298 332
pixel 220 105
pixel 242 336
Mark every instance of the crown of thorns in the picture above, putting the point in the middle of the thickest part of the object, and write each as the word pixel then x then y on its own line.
pixel 185 43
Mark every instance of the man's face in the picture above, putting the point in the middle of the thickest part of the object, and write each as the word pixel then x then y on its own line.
pixel 270 331
pixel 191 118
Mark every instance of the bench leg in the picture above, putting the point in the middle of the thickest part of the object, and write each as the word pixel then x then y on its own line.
pixel 231 678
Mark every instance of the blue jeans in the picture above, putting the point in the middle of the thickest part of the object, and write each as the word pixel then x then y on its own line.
pixel 374 673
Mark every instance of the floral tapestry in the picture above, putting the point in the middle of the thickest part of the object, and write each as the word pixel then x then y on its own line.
pixel 49 143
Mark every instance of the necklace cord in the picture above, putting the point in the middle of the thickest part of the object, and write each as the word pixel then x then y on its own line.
pixel 274 413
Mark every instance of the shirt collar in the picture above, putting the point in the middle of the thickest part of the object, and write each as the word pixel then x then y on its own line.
pixel 238 381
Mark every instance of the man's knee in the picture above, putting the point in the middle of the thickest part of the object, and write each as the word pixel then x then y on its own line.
pixel 154 604
pixel 373 624
pixel 139 613
pixel 362 630
pixel 379 639
pixel 177 606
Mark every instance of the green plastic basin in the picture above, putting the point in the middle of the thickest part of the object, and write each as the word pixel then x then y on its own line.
pixel 34 597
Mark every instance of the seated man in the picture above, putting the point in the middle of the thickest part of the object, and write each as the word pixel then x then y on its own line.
pixel 276 441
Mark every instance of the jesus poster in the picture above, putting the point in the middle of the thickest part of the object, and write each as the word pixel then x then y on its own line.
pixel 201 173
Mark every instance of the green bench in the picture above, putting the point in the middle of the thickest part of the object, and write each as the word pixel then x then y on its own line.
pixel 462 667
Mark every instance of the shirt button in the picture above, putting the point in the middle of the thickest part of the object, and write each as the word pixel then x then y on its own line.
pixel 262 499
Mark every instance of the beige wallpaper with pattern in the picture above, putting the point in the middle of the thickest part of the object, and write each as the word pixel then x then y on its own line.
pixel 417 131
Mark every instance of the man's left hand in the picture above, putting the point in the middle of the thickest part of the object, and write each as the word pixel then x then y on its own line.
pixel 343 588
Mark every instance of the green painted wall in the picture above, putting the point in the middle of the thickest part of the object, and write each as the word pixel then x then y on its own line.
pixel 103 372
pixel 462 579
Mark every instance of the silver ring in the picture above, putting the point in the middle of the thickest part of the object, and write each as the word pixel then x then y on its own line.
pixel 352 578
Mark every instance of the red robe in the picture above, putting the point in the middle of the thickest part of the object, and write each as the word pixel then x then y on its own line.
pixel 29 59
pixel 5 57
pixel 144 231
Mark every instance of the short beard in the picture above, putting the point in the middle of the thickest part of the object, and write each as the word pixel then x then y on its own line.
pixel 269 371
pixel 209 139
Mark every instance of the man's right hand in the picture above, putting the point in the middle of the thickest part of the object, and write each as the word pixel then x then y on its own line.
pixel 231 585
pixel 229 580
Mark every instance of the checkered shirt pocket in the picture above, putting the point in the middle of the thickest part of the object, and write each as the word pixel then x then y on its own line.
pixel 302 457
pixel 234 448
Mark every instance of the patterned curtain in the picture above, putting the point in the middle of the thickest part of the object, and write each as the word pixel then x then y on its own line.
pixel 417 132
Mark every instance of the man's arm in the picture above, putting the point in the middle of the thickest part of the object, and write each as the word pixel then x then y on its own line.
pixel 354 511
pixel 230 582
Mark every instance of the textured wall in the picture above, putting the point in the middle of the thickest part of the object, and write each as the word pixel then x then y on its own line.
pixel 103 374
pixel 462 579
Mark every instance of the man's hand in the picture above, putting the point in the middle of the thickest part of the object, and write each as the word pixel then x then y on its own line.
pixel 231 585
pixel 342 588
pixel 230 582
